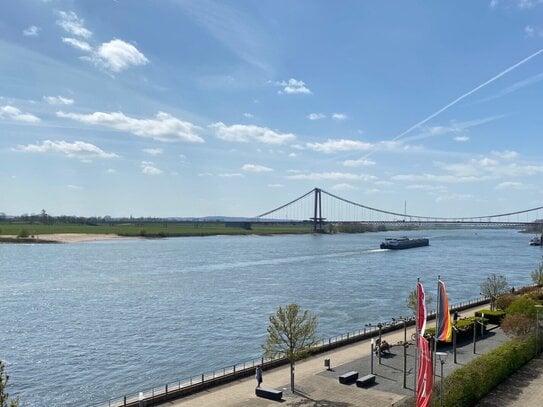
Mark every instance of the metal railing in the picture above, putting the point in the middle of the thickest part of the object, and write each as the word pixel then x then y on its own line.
pixel 192 384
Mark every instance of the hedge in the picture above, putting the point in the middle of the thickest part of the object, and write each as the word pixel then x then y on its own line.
pixel 493 317
pixel 470 383
pixel 467 385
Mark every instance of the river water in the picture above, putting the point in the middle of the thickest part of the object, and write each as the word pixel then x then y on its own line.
pixel 82 323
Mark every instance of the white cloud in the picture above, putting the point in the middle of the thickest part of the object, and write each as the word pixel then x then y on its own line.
pixel 453 197
pixel 231 175
pixel 245 133
pixel 343 187
pixel 461 138
pixel 435 178
pixel 71 23
pixel 13 113
pixel 361 162
pixel 293 155
pixel 163 127
pixel 78 44
pixel 256 168
pixel 293 86
pixel 149 168
pixel 506 155
pixel 76 187
pixel 31 31
pixel 531 31
pixel 117 55
pixel 333 146
pixel 339 116
pixel 331 176
pixel 153 151
pixel 427 188
pixel 509 185
pixel 276 186
pixel 316 116
pixel 111 171
pixel 58 100
pixel 77 149
pixel 248 115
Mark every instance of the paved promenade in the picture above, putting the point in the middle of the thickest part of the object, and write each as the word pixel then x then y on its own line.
pixel 318 387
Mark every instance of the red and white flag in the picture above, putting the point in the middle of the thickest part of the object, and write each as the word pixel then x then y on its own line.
pixel 421 309
pixel 425 376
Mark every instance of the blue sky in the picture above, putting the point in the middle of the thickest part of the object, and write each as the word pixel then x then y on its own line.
pixel 195 108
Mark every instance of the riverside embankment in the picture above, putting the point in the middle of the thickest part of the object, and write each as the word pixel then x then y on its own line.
pixel 346 352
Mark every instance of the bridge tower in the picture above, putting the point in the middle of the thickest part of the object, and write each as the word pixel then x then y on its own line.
pixel 317 214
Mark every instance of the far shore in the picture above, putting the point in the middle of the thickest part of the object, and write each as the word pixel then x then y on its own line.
pixel 63 238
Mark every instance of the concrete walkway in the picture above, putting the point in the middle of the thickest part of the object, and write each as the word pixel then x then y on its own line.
pixel 319 387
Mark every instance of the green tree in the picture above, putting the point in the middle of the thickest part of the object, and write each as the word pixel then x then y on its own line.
pixel 4 396
pixel 291 333
pixel 493 287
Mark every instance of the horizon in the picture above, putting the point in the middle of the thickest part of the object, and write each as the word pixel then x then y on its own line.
pixel 193 109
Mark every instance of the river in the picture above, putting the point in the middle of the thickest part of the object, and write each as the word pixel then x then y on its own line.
pixel 82 323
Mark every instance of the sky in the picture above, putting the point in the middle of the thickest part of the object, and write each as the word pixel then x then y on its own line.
pixel 204 108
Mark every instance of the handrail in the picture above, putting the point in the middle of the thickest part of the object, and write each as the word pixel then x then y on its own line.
pixel 232 372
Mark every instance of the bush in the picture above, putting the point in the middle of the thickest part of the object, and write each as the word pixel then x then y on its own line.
pixel 467 385
pixel 523 305
pixel 517 325
pixel 470 383
pixel 23 233
pixel 464 328
pixel 504 300
pixel 493 317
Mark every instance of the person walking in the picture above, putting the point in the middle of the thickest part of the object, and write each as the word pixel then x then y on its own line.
pixel 258 376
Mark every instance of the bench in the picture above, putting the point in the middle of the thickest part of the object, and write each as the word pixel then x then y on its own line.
pixel 348 377
pixel 366 380
pixel 271 394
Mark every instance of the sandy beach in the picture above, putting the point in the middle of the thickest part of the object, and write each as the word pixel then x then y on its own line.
pixel 73 237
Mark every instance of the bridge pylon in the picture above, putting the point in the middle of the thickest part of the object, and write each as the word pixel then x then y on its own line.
pixel 317 218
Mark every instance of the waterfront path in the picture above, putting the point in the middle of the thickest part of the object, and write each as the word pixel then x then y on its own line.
pixel 317 386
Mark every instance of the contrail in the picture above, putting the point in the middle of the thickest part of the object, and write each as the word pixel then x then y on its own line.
pixel 465 95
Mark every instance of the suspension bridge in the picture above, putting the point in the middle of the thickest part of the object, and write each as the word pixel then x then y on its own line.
pixel 321 207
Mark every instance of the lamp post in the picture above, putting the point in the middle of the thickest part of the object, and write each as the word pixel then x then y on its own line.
pixel 379 325
pixel 537 332
pixel 371 359
pixel 442 358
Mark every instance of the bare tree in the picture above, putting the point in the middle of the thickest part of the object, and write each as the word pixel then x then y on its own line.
pixel 494 286
pixel 411 301
pixel 291 333
pixel 4 396
pixel 537 276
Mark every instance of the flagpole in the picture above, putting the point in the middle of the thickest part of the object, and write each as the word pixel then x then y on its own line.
pixel 416 338
pixel 438 310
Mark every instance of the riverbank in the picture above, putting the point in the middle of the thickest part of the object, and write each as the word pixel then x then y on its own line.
pixel 318 386
pixel 60 238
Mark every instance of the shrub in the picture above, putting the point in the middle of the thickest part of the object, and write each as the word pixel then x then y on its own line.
pixel 493 317
pixel 467 385
pixel 143 232
pixel 23 233
pixel 517 325
pixel 504 300
pixel 470 383
pixel 523 305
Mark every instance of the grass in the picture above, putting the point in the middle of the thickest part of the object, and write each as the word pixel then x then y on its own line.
pixel 152 229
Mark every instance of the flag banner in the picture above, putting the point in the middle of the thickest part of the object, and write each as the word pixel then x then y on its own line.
pixel 425 376
pixel 444 324
pixel 421 309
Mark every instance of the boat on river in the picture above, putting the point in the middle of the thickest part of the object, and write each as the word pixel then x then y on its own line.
pixel 535 241
pixel 399 243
